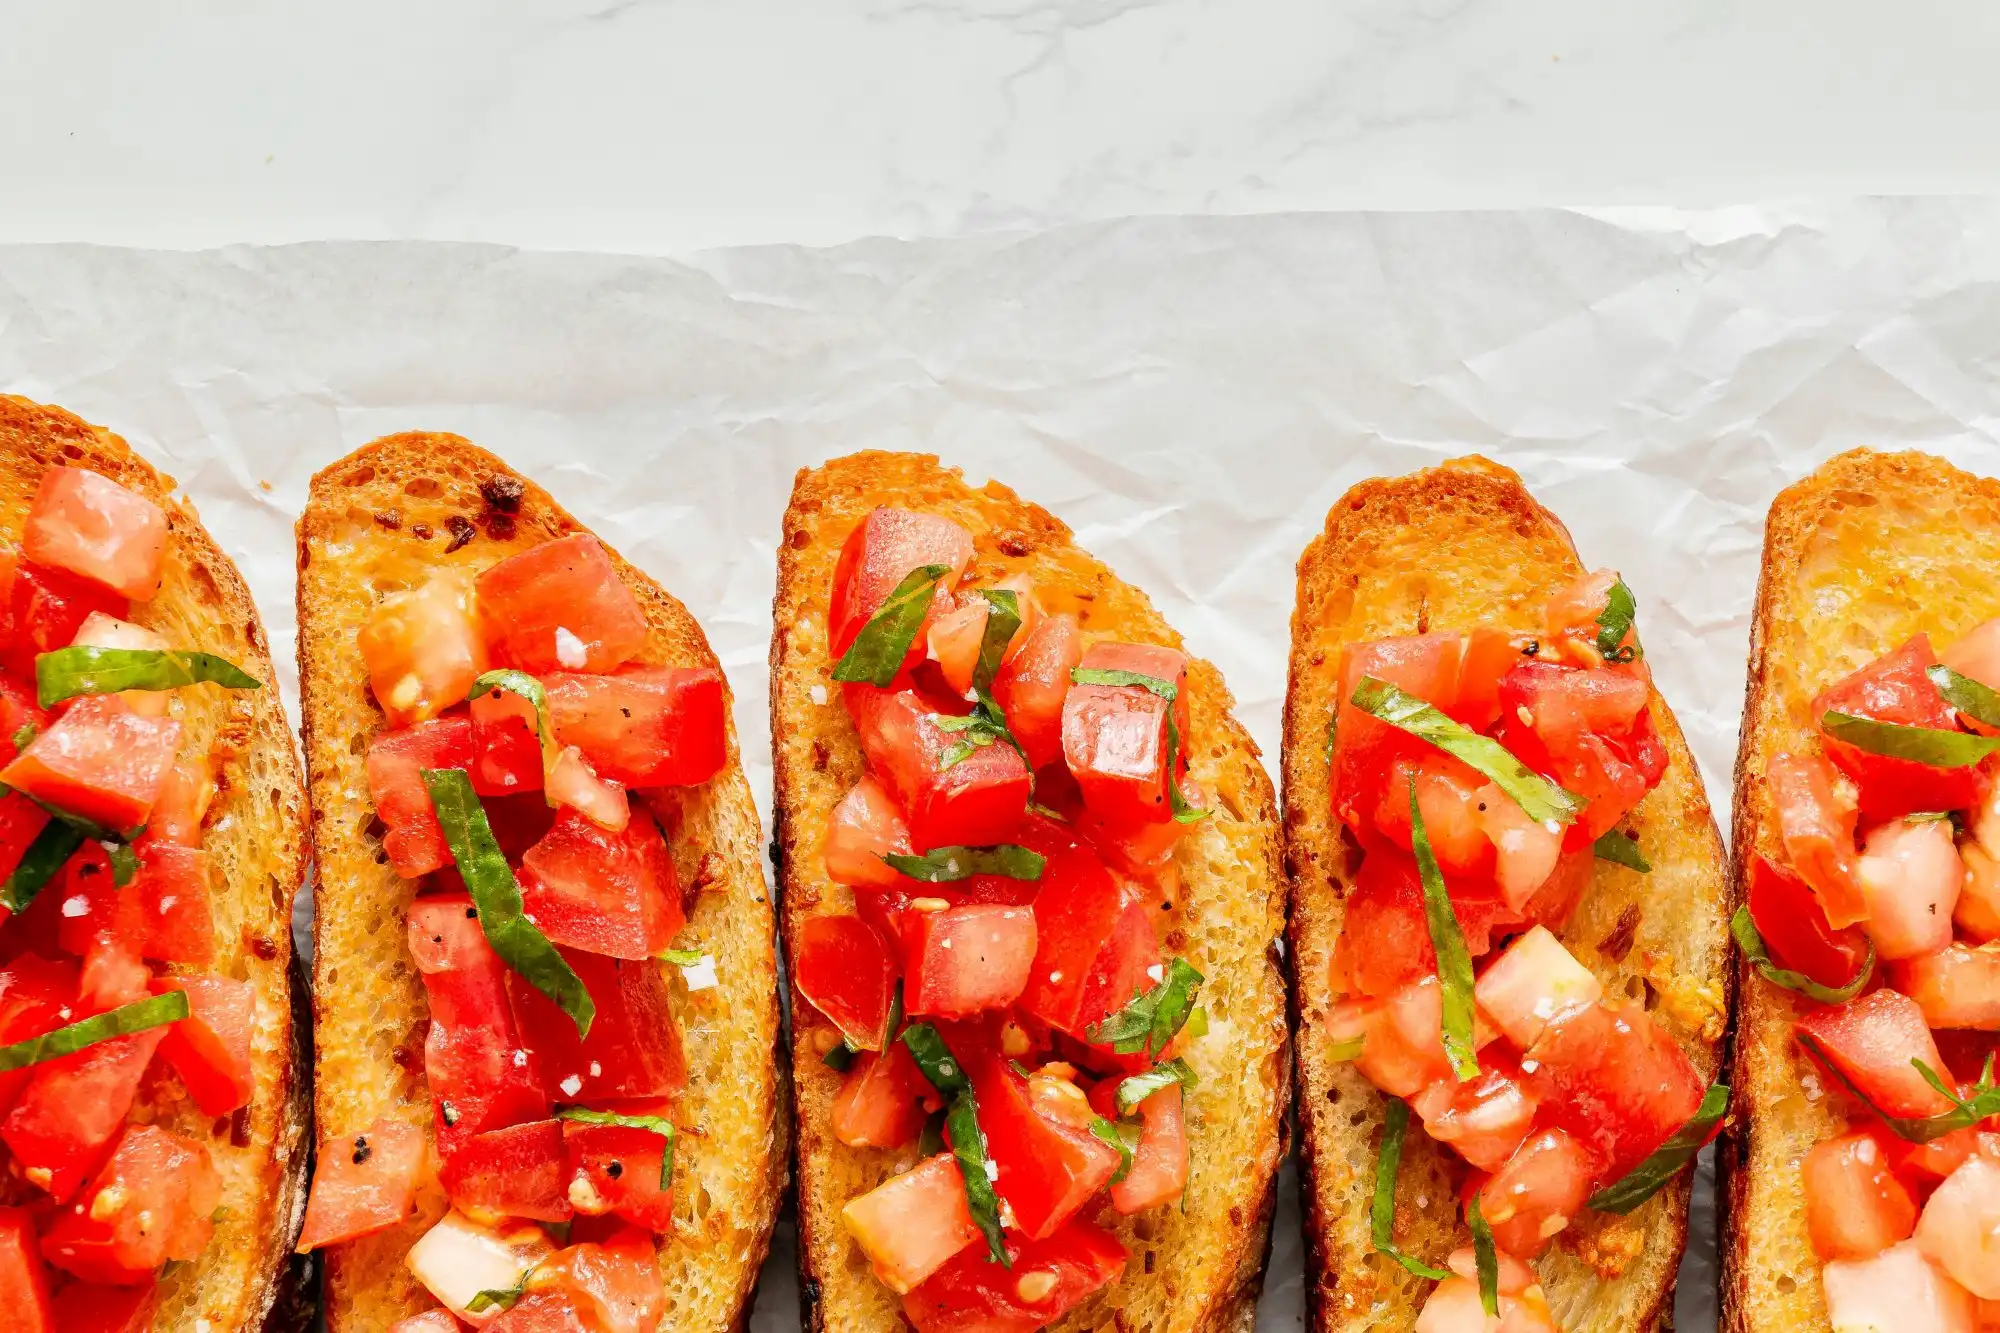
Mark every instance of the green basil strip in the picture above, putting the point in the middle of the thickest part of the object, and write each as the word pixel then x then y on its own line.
pixel 1619 849
pixel 682 957
pixel 840 1056
pixel 1454 962
pixel 499 1298
pixel 1544 801
pixel 38 865
pixel 1343 1052
pixel 123 1021
pixel 1125 1138
pixel 877 653
pixel 1382 1214
pixel 1197 1022
pixel 1921 745
pixel 930 1142
pixel 124 862
pixel 1184 812
pixel 975 731
pixel 1968 696
pixel 653 1123
pixel 25 736
pixel 1485 1259
pixel 527 687
pixel 1752 945
pixel 1650 1176
pixel 946 865
pixel 1985 1099
pixel 1150 1020
pixel 70 673
pixel 1620 608
pixel 495 893
pixel 968 1141
pixel 1139 1087
pixel 1003 618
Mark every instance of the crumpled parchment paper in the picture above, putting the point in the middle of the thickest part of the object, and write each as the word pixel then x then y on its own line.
pixel 1190 394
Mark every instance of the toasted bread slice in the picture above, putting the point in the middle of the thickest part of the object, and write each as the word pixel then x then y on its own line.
pixel 1453 548
pixel 255 839
pixel 1197 1268
pixel 1860 555
pixel 382 519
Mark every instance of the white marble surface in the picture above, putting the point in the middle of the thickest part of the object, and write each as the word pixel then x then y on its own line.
pixel 664 126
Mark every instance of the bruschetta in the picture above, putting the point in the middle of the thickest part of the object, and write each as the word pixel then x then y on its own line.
pixel 1508 924
pixel 1031 900
pixel 152 839
pixel 545 994
pixel 1863 1186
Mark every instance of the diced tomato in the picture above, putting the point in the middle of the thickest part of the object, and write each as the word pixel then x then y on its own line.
pixel 615 1170
pixel 634 1046
pixel 430 1321
pixel 423 649
pixel 517 1171
pixel 1366 749
pixel 966 959
pixel 1048 1278
pixel 1160 1160
pixel 1977 915
pixel 1486 1118
pixel 847 970
pixel 1788 915
pixel 72 1109
pixel 1894 688
pixel 544 1311
pixel 172 891
pixel 1094 944
pixel 1816 824
pixel 20 709
pixel 1855 1206
pixel 86 1307
pixel 99 760
pixel 1116 737
pixel 396 762
pixel 561 606
pixel 91 526
pixel 1032 685
pixel 182 806
pixel 1956 987
pixel 910 1225
pixel 1448 796
pixel 1872 1041
pixel 1047 1168
pixel 1590 731
pixel 881 1100
pixel 1616 1082
pixel 1533 982
pixel 24 1277
pixel 1897 1289
pixel 21 822
pixel 1536 1192
pixel 955 636
pixel 459 1258
pixel 615 1284
pixel 154 1200
pixel 866 826
pixel 507 749
pixel 210 1048
pixel 878 555
pixel 363 1183
pixel 1402 1049
pixel 479 1070
pixel 606 893
pixel 101 631
pixel 572 782
pixel 1386 938
pixel 1456 1306
pixel 1976 654
pixel 45 609
pixel 34 993
pixel 650 727
pixel 1910 876
pixel 977 802
pixel 1960 1230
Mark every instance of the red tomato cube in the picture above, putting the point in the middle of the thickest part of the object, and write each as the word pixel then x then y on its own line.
pixel 182 805
pixel 21 822
pixel 1094 944
pixel 1894 688
pixel 1365 749
pixel 1816 824
pixel 1788 915
pixel 363 1183
pixel 153 1201
pixel 507 752
pixel 517 1171
pixel 614 1170
pixel 1616 1082
pixel 910 1225
pixel 878 555
pixel 64 1123
pixel 966 959
pixel 172 893
pixel 977 802
pixel 615 1286
pixel 423 649
pixel 86 1307
pixel 606 893
pixel 44 610
pixel 210 1048
pixel 1048 1167
pixel 19 708
pixel 634 1046
pixel 1956 987
pixel 1048 1278
pixel 1872 1041
pixel 1030 686
pixel 1536 1193
pixel 561 606
pixel 396 762
pixel 1115 737
pixel 23 1276
pixel 91 526
pixel 100 760
pixel 1385 940
pixel 1855 1206
pixel 645 727
pixel 865 827
pixel 1160 1161
pixel 1402 1049
pixel 845 968
pixel 881 1103
pixel 34 992
pixel 1589 730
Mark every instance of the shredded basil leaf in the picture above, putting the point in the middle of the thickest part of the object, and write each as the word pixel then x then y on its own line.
pixel 1125 1138
pixel 499 1298
pixel 1620 608
pixel 25 737
pixel 1151 1019
pixel 1003 618
pixel 124 862
pixel 1454 962
pixel 70 673
pixel 682 957
pixel 968 1140
pixel 39 864
pixel 1621 849
pixel 656 1124
pixel 1485 1259
pixel 1665 1162
pixel 877 653
pixel 1979 702
pixel 1922 745
pixel 1184 811
pixel 1752 944
pixel 1382 1214
pixel 946 865
pixel 1542 800
pixel 520 944
pixel 1139 1087
pixel 126 1019
pixel 527 687
pixel 1984 1102
pixel 840 1055
pixel 1342 1052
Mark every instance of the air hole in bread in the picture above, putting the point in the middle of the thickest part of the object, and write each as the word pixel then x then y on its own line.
pixel 361 476
pixel 423 488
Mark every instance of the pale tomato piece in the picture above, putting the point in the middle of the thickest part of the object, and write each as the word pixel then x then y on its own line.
pixel 911 1225
pixel 1571 614
pixel 1534 981
pixel 1855 1205
pixel 101 631
pixel 90 525
pixel 866 826
pixel 1976 654
pixel 1978 912
pixel 1485 1119
pixel 881 1100
pixel 1956 987
pixel 1536 1192
pixel 1873 1042
pixel 459 1258
pixel 1525 852
pixel 1960 1228
pixel 1450 797
pixel 615 1283
pixel 430 1321
pixel 1025 605
pixel 1124 743
pixel 1816 823
pixel 1454 1306
pixel 1910 877
pixel 573 783
pixel 423 649
pixel 1896 1291
pixel 561 606
pixel 1402 1052
pixel 1160 1163
pixel 1034 681
pixel 186 792
pixel 879 554
pixel 955 637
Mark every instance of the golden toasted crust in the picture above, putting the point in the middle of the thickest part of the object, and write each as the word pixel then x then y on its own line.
pixel 387 517
pixel 255 839
pixel 1865 552
pixel 1196 1269
pixel 1453 548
